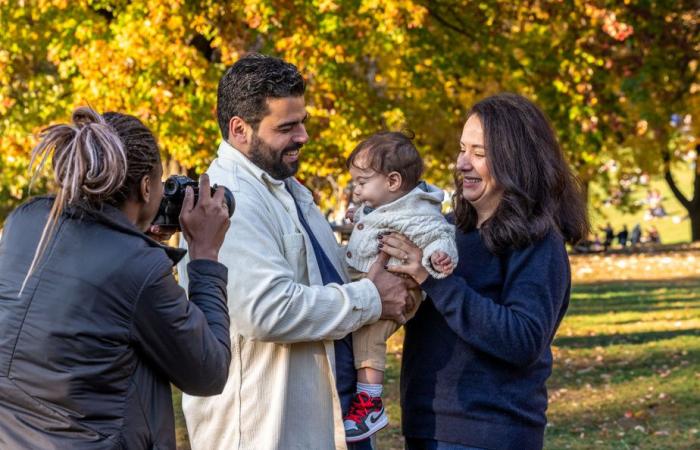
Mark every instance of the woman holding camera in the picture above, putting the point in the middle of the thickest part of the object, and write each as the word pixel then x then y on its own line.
pixel 93 325
pixel 477 354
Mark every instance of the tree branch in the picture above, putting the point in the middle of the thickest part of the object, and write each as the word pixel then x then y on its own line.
pixel 436 15
pixel 674 188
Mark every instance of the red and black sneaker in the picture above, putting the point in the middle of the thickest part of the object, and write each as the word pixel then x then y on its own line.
pixel 365 417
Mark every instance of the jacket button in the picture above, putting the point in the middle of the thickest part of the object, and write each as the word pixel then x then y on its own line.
pixel 360 226
pixel 349 254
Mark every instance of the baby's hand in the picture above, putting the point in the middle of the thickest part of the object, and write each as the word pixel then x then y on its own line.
pixel 350 215
pixel 442 262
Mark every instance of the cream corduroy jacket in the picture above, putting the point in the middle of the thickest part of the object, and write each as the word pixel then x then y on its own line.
pixel 281 393
pixel 417 215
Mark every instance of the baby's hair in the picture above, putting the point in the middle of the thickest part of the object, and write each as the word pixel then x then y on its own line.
pixel 390 151
pixel 96 159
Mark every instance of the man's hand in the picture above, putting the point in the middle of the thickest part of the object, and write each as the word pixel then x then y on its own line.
pixel 204 225
pixel 392 290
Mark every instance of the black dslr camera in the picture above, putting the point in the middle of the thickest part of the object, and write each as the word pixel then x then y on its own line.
pixel 173 196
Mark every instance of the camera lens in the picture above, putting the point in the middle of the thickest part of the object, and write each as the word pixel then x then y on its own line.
pixel 170 187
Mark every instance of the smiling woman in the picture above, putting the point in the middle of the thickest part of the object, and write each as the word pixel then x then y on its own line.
pixel 478 186
pixel 521 181
pixel 477 354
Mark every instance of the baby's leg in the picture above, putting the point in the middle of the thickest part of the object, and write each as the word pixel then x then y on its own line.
pixel 367 415
pixel 369 375
pixel 369 347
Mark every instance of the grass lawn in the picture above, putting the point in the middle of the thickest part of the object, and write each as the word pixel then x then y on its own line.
pixel 627 359
pixel 627 367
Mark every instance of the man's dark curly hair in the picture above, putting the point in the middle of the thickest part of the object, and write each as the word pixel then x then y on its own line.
pixel 247 84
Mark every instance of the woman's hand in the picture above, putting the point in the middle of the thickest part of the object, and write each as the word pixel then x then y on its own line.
pixel 205 223
pixel 401 248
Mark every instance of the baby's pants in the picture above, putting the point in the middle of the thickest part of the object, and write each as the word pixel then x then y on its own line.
pixel 369 342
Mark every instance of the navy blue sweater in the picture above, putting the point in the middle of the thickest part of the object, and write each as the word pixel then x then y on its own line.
pixel 477 354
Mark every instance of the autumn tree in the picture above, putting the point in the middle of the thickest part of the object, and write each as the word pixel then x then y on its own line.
pixel 593 66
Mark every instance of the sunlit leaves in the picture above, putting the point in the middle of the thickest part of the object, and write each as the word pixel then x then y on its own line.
pixel 369 65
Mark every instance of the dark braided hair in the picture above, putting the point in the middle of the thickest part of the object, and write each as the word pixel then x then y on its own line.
pixel 142 154
pixel 96 159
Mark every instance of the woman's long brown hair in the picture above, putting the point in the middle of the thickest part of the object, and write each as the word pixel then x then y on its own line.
pixel 540 192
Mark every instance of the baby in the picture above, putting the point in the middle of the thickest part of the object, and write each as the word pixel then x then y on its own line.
pixel 386 171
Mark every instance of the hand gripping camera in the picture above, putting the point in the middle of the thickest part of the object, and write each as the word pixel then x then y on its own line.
pixel 173 196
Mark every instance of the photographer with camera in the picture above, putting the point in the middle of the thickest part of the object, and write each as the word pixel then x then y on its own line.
pixel 93 325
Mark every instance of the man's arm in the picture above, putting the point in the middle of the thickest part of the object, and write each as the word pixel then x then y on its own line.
pixel 266 302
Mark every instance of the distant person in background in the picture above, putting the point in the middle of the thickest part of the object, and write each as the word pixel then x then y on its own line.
pixel 609 236
pixel 656 209
pixel 597 245
pixel 622 236
pixel 653 235
pixel 636 235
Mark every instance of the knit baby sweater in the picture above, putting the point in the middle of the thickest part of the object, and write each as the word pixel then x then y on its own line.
pixel 417 215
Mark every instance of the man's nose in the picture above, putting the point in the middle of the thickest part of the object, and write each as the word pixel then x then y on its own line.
pixel 302 137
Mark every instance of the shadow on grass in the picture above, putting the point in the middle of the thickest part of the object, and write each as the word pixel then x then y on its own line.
pixel 604 340
pixel 625 285
pixel 621 368
pixel 637 296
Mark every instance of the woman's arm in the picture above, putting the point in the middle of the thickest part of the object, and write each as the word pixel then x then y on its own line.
pixel 188 341
pixel 533 300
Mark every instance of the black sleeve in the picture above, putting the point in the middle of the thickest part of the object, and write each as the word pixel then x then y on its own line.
pixel 188 341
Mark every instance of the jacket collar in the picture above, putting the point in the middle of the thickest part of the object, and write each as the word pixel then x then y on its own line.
pixel 295 188
pixel 113 217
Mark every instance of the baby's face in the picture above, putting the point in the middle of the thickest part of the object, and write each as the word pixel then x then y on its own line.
pixel 369 186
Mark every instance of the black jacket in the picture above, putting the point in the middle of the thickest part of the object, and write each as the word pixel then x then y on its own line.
pixel 89 349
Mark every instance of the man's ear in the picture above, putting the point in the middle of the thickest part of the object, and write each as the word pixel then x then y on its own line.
pixel 394 180
pixel 145 189
pixel 239 132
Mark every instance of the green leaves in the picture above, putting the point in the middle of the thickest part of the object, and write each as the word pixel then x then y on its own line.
pixel 369 65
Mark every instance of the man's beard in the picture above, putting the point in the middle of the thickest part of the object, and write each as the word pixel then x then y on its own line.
pixel 271 160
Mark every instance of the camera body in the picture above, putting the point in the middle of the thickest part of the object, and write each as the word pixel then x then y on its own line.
pixel 174 195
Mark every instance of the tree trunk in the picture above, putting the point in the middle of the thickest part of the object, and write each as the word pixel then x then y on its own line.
pixel 585 188
pixel 694 216
pixel 693 205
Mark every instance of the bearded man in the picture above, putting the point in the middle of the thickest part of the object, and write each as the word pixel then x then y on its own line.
pixel 290 304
